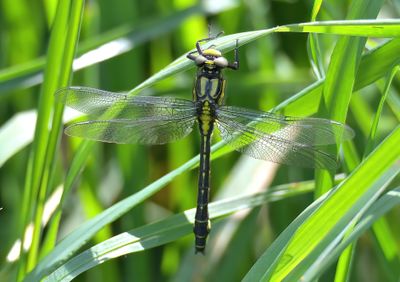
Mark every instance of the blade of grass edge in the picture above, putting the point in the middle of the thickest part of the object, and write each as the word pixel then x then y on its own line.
pixel 341 76
pixel 289 252
pixel 165 231
pixel 344 226
pixel 29 74
pixel 339 83
pixel 72 39
pixel 59 75
pixel 38 153
pixel 372 215
pixel 313 48
pixel 77 238
pixel 343 269
pixel 355 191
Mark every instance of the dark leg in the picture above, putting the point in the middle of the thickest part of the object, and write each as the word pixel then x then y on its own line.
pixel 235 64
pixel 210 37
pixel 192 57
pixel 198 48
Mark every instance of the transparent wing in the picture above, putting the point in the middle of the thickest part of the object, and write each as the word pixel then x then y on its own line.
pixel 141 131
pixel 118 118
pixel 100 103
pixel 308 131
pixel 281 139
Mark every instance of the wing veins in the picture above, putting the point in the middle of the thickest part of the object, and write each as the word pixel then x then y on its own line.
pixel 310 131
pixel 260 145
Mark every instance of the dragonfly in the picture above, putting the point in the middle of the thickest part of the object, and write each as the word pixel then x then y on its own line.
pixel 126 119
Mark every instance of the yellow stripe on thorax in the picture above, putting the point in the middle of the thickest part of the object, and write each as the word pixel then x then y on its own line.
pixel 205 118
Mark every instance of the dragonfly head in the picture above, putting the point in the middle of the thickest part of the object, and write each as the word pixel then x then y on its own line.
pixel 211 58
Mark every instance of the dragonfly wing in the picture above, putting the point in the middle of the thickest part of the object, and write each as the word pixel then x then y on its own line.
pixel 120 118
pixel 307 131
pixel 111 105
pixel 279 139
pixel 141 131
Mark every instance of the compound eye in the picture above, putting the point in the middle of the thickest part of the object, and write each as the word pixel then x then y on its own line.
pixel 221 62
pixel 200 60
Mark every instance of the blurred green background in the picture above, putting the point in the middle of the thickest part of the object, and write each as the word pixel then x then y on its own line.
pixel 126 42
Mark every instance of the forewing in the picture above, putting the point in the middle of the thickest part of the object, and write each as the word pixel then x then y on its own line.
pixel 141 131
pixel 280 139
pixel 119 118
pixel 110 105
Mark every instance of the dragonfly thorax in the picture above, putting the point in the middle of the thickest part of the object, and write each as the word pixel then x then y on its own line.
pixel 209 86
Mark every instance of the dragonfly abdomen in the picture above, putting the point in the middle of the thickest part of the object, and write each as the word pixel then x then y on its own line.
pixel 206 118
pixel 202 223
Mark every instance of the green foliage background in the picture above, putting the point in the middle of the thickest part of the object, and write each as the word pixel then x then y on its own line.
pixel 123 212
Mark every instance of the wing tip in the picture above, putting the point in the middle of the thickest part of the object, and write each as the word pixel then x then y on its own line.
pixel 348 133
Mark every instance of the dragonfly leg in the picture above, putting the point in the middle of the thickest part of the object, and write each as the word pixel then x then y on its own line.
pixel 235 64
pixel 191 55
pixel 210 37
pixel 201 221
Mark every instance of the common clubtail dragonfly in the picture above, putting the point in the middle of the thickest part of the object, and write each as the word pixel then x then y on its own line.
pixel 120 118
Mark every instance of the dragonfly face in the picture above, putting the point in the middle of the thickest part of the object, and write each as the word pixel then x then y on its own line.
pixel 125 119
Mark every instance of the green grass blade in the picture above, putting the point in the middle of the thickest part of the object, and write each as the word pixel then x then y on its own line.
pixel 316 7
pixel 372 136
pixel 364 28
pixel 227 43
pixel 93 51
pixel 382 57
pixel 345 261
pixel 341 76
pixel 81 235
pixel 373 66
pixel 340 207
pixel 311 263
pixel 371 216
pixel 313 48
pixel 28 74
pixel 36 189
pixel 165 231
pixel 71 43
pixel 384 238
